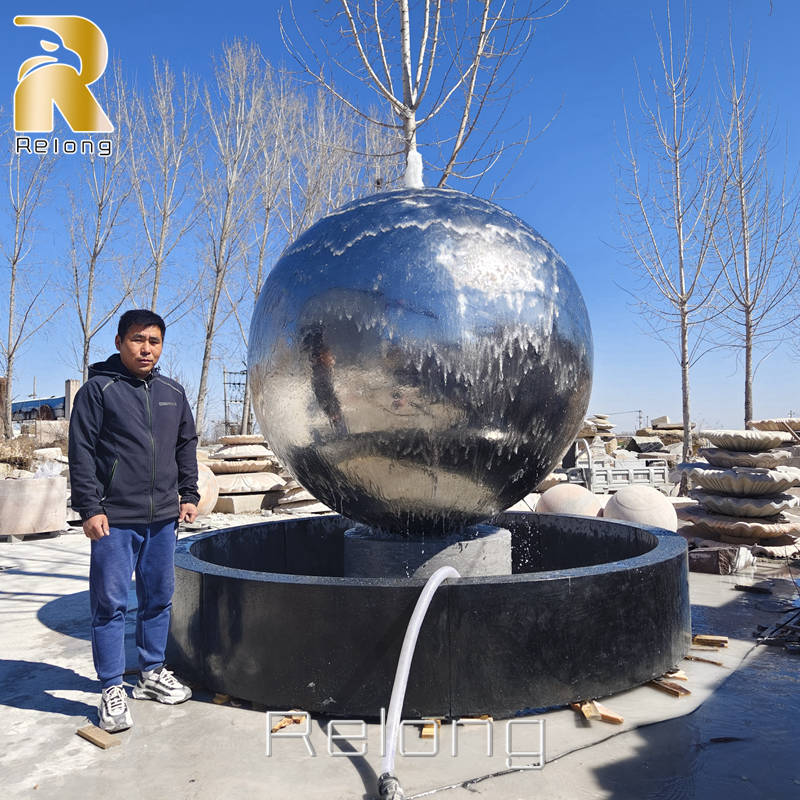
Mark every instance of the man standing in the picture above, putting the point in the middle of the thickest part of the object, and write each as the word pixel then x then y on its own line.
pixel 133 472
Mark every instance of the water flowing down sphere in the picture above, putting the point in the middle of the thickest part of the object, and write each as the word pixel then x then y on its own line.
pixel 420 359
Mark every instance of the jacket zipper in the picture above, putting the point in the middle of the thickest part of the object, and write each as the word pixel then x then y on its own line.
pixel 153 445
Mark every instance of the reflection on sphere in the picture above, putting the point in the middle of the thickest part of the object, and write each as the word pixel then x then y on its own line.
pixel 420 359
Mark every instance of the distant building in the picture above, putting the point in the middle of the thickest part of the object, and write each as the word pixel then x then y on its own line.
pixel 38 408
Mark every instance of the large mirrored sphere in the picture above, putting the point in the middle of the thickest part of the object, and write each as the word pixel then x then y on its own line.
pixel 420 359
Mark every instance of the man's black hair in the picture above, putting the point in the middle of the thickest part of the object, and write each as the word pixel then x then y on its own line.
pixel 139 316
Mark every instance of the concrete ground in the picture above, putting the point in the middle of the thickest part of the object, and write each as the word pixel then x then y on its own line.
pixel 735 736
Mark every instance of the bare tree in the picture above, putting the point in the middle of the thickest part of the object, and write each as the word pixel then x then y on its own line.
pixel 98 293
pixel 224 166
pixel 757 241
pixel 458 57
pixel 159 149
pixel 28 176
pixel 276 148
pixel 313 155
pixel 336 158
pixel 672 202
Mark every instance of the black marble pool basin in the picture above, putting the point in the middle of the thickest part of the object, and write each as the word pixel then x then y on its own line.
pixel 592 607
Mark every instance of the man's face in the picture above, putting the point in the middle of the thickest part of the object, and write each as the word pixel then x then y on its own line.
pixel 140 349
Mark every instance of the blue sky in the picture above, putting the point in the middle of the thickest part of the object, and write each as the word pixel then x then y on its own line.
pixel 582 64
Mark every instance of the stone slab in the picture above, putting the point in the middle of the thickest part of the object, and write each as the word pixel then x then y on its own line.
pixel 297 495
pixel 724 458
pixel 764 506
pixel 743 481
pixel 33 505
pixel 242 439
pixel 246 503
pixel 753 529
pixel 48 453
pixel 777 424
pixel 248 482
pixel 220 467
pixel 304 507
pixel 747 441
pixel 241 451
pixel 478 550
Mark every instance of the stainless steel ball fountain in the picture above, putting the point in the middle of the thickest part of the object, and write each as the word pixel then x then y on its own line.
pixel 420 359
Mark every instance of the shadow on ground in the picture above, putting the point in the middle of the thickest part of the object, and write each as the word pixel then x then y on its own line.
pixel 741 742
pixel 68 614
pixel 29 685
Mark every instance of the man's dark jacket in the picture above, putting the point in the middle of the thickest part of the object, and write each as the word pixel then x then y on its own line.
pixel 132 446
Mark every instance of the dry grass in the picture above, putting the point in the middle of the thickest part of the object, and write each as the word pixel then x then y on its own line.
pixel 18 451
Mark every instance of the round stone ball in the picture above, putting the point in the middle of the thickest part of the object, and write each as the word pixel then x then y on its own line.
pixel 569 498
pixel 208 488
pixel 420 359
pixel 644 505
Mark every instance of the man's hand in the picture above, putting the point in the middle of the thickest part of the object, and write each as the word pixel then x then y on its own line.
pixel 96 527
pixel 188 512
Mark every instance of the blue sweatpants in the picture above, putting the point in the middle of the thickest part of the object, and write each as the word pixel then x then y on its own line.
pixel 149 551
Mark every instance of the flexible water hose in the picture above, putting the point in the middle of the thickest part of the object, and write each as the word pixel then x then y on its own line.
pixel 388 785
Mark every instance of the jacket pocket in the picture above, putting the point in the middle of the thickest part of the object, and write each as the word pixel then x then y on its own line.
pixel 107 491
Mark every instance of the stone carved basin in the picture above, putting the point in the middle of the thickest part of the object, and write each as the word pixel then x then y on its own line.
pixel 592 607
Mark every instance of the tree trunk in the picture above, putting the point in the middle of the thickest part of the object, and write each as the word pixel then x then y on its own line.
pixel 246 426
pixel 687 421
pixel 86 345
pixel 748 369
pixel 202 391
pixel 8 430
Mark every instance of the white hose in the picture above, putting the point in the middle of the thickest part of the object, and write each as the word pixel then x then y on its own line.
pixel 404 664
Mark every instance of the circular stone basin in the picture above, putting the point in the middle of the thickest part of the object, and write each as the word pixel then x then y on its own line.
pixel 591 608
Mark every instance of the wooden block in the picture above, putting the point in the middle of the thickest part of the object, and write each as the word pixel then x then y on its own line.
pixel 220 699
pixel 607 715
pixel 98 736
pixel 710 640
pixel 704 660
pixel 427 731
pixel 676 675
pixel 586 709
pixel 675 689
pixel 705 647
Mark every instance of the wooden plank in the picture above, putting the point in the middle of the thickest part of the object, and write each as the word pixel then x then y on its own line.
pixel 704 660
pixel 704 647
pixel 607 715
pixel 98 736
pixel 675 689
pixel 710 639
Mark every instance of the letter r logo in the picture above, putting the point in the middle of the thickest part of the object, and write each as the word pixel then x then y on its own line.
pixel 44 82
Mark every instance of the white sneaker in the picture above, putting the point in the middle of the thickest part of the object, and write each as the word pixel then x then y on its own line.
pixel 113 710
pixel 160 684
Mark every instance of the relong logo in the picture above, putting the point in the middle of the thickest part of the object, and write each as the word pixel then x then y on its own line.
pixel 44 82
